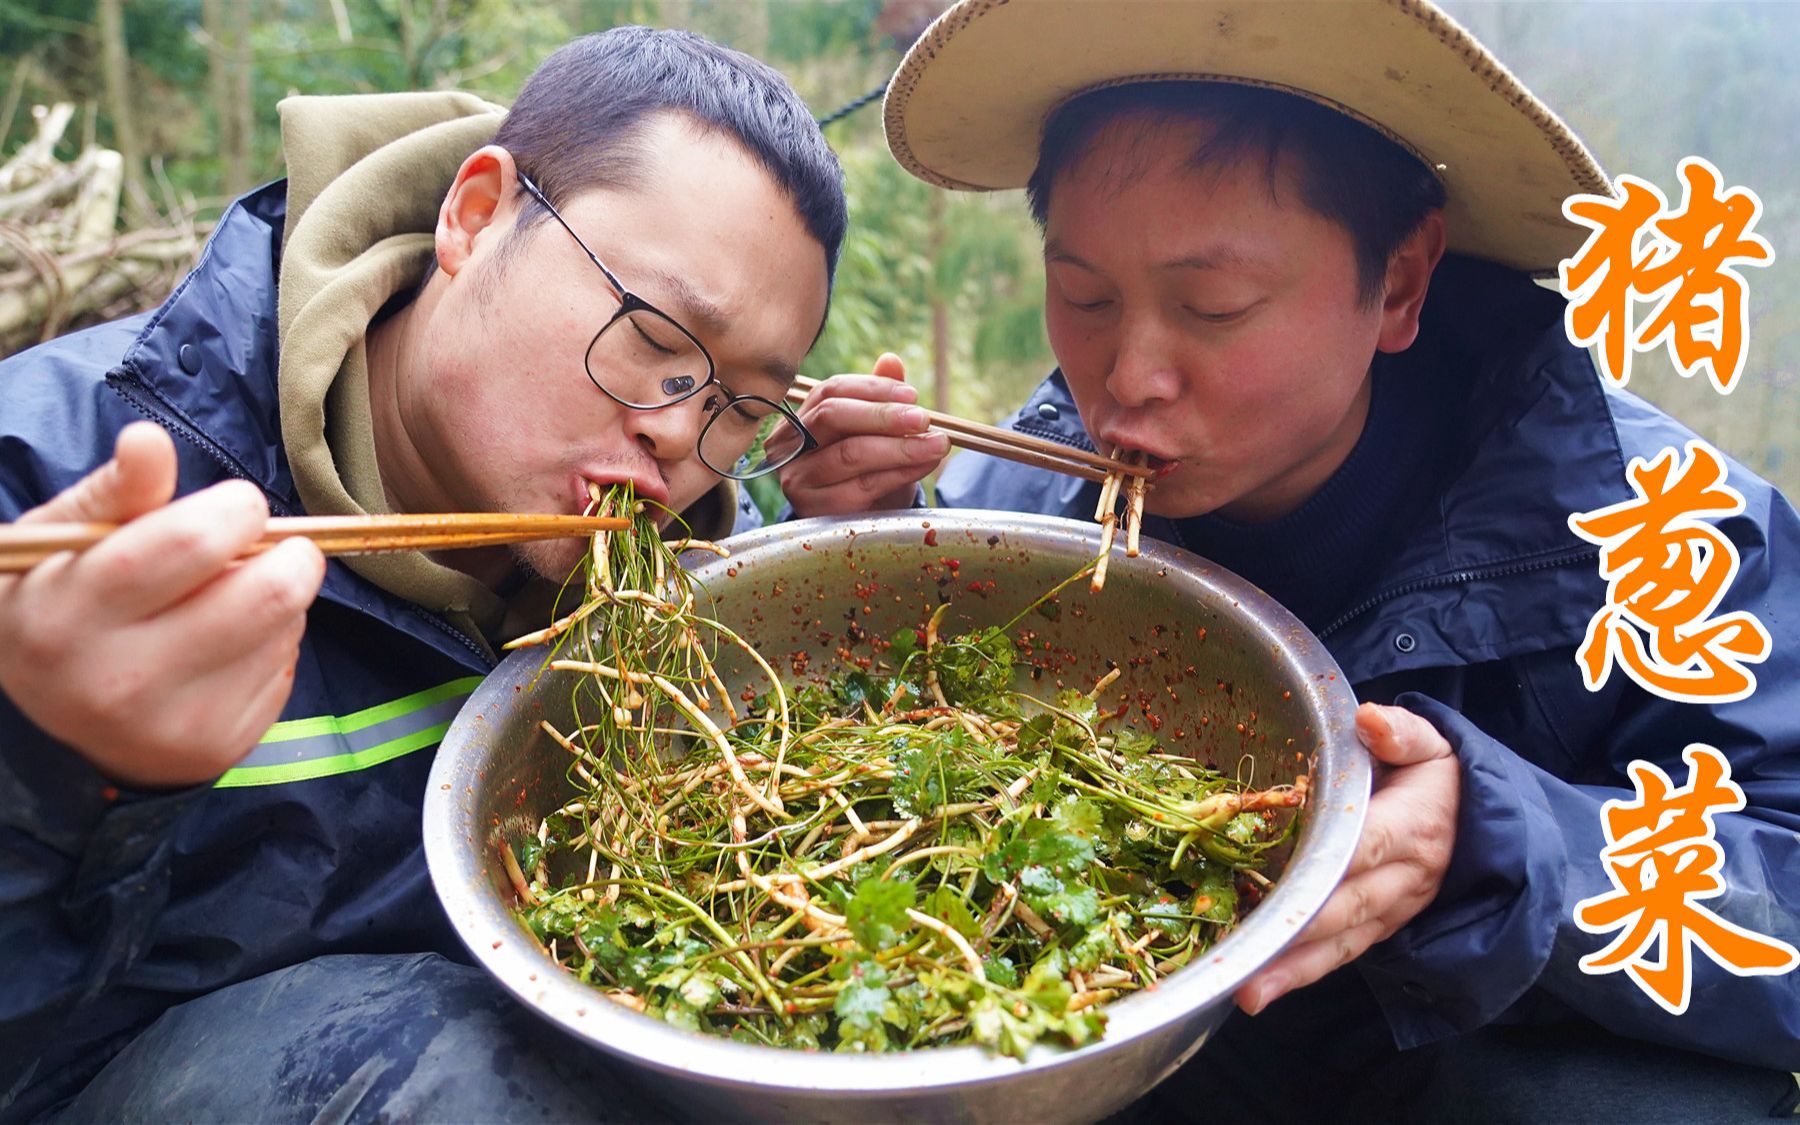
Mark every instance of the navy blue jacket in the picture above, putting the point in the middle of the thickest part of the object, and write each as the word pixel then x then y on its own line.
pixel 115 906
pixel 1472 621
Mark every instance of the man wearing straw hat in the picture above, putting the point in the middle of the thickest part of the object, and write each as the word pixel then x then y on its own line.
pixel 1289 252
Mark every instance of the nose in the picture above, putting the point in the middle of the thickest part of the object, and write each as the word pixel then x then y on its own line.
pixel 1143 372
pixel 672 433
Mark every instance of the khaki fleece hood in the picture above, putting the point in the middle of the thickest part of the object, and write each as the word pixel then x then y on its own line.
pixel 366 176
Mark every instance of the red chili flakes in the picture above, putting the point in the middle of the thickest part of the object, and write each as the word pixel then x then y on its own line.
pixel 931 537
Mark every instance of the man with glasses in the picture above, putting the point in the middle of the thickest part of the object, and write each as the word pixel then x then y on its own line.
pixel 203 915
pixel 645 360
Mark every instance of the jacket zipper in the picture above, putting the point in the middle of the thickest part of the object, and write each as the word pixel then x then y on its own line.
pixel 1052 435
pixel 1458 578
pixel 132 389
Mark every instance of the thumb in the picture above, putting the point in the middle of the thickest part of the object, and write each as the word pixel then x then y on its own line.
pixel 139 478
pixel 890 366
pixel 1398 737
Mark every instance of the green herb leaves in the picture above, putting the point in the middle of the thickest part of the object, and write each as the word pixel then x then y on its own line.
pixel 976 671
pixel 900 857
pixel 876 914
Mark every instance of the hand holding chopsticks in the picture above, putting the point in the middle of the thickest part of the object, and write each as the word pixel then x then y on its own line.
pixel 23 546
pixel 1010 444
pixel 1124 475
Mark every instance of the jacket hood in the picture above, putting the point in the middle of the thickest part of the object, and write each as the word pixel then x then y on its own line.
pixel 366 176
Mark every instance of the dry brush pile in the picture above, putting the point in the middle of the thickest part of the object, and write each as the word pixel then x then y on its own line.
pixel 64 262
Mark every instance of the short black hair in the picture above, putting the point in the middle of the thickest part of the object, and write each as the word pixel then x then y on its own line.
pixel 579 121
pixel 1348 173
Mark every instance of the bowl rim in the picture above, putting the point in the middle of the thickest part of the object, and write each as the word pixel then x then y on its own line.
pixel 1337 804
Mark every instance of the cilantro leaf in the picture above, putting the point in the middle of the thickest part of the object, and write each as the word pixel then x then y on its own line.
pixel 975 670
pixel 946 904
pixel 862 1004
pixel 876 913
pixel 1077 816
pixel 1095 946
pixel 904 642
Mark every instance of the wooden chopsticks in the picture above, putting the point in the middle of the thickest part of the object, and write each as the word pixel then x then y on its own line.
pixel 1010 444
pixel 23 546
pixel 1107 512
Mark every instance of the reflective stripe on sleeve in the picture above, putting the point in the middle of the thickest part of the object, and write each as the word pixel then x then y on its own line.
pixel 303 749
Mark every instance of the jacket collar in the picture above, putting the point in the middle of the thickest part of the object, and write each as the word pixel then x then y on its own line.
pixel 208 354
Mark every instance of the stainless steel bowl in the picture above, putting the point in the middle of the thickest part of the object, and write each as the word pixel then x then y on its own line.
pixel 1234 678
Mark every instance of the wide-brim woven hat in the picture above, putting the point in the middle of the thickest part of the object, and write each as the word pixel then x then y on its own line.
pixel 968 105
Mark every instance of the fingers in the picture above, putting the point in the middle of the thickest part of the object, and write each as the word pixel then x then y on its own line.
pixel 871 455
pixel 874 444
pixel 262 597
pixel 1305 963
pixel 157 655
pixel 1391 894
pixel 889 366
pixel 161 558
pixel 189 738
pixel 262 677
pixel 849 405
pixel 1412 815
pixel 1398 737
pixel 812 493
pixel 867 424
pixel 1400 862
pixel 139 478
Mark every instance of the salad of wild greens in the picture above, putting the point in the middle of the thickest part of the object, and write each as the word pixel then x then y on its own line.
pixel 909 855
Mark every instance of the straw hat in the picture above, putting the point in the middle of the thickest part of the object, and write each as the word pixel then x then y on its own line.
pixel 967 107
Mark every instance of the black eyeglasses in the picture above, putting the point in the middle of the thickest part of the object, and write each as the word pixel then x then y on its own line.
pixel 644 359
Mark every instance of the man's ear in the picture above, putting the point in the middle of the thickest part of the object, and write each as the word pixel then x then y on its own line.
pixel 1408 277
pixel 477 198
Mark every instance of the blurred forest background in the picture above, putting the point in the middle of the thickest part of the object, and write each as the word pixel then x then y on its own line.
pixel 184 91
